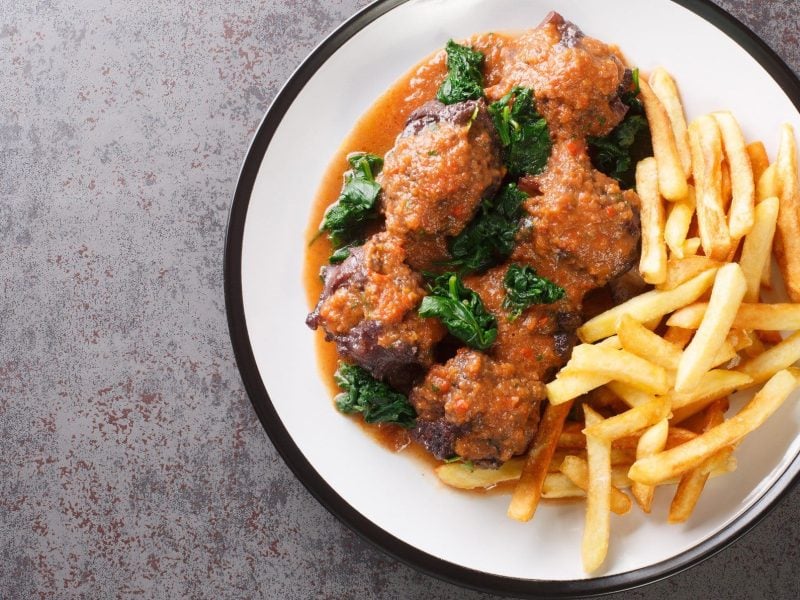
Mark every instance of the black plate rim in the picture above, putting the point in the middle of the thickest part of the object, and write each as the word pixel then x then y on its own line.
pixel 311 479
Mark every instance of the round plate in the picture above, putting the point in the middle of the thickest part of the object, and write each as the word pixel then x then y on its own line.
pixel 392 499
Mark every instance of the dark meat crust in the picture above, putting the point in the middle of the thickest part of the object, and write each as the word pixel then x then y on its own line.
pixel 477 408
pixel 437 436
pixel 461 114
pixel 368 307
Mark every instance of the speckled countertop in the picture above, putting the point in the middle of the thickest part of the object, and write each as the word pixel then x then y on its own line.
pixel 132 463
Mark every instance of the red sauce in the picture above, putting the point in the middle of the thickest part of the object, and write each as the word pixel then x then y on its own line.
pixel 374 132
pixel 586 229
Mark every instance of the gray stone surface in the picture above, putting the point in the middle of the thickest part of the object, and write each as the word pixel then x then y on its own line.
pixel 132 463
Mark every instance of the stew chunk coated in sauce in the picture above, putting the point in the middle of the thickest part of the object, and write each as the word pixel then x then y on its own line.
pixel 579 231
pixel 446 160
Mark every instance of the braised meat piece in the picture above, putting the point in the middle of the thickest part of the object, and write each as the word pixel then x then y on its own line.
pixel 369 306
pixel 579 230
pixel 582 231
pixel 577 80
pixel 485 406
pixel 477 408
pixel 539 340
pixel 443 163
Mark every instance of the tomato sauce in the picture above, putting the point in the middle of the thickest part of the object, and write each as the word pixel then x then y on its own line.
pixel 580 231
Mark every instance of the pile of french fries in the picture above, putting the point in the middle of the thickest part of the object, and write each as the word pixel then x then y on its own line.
pixel 652 376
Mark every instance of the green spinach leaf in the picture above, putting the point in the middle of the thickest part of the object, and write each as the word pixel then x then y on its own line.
pixel 523 132
pixel 617 153
pixel 489 238
pixel 376 401
pixel 524 287
pixel 464 79
pixel 357 202
pixel 341 254
pixel 461 310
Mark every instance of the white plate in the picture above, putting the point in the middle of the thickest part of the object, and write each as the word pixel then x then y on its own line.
pixel 393 499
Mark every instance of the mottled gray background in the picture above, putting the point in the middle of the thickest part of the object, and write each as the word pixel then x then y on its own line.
pixel 132 463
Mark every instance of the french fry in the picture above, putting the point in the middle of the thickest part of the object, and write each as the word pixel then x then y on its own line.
pixel 688 317
pixel 705 141
pixel 632 396
pixel 653 262
pixel 569 385
pixel 675 437
pixel 725 194
pixel 768 185
pixel 578 472
pixel 528 490
pixel 597 529
pixel 630 421
pixel 688 492
pixel 740 339
pixel 682 270
pixel 692 483
pixel 619 456
pixel 713 385
pixel 680 416
pixel 678 336
pixel 758 158
pixel 766 274
pixel 647 306
pixel 725 354
pixel 664 88
pixel 757 247
pixel 787 238
pixel 698 357
pixel 671 176
pixel 775 359
pixel 756 346
pixel 691 246
pixel 619 365
pixel 700 421
pixel 603 399
pixel 719 463
pixel 642 342
pixel 571 440
pixel 467 477
pixel 651 442
pixel 558 485
pixel 740 216
pixel 678 221
pixel 765 317
pixel 653 469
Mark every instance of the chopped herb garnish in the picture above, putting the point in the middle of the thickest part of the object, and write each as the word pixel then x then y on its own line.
pixel 375 400
pixel 461 310
pixel 523 132
pixel 524 287
pixel 617 153
pixel 464 79
pixel 357 202
pixel 489 238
